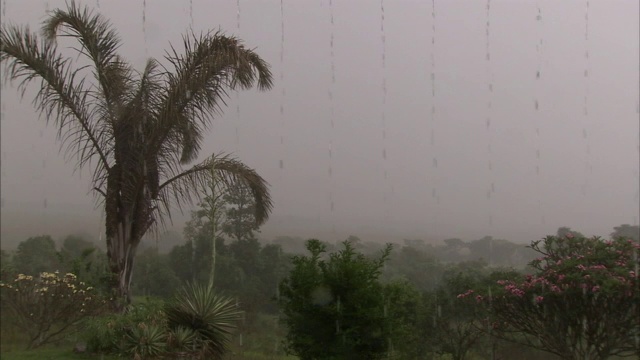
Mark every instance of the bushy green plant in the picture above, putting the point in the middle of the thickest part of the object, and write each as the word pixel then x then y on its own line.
pixel 208 314
pixel 581 301
pixel 50 306
pixel 111 333
pixel 145 341
pixel 335 308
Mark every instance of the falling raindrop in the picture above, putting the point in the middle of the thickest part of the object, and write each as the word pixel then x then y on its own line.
pixel 238 117
pixel 383 42
pixel 332 69
pixel 489 112
pixel 539 90
pixel 585 109
pixel 191 13
pixel 98 4
pixel 144 27
pixel 283 90
pixel 434 179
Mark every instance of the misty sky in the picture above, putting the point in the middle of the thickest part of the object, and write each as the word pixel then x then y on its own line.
pixel 588 165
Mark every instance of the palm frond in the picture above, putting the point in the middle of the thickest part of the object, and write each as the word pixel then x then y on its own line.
pixel 188 185
pixel 61 98
pixel 196 89
pixel 99 43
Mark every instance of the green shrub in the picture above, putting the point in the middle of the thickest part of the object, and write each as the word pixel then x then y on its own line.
pixel 111 333
pixel 49 307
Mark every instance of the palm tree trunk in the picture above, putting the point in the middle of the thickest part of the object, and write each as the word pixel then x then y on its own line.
pixel 127 220
pixel 121 253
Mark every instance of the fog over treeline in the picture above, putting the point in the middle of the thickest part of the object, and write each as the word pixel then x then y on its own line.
pixel 561 133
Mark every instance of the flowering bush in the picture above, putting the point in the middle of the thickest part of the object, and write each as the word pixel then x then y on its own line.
pixel 50 306
pixel 581 302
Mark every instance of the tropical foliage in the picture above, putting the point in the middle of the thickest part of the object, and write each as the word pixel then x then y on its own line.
pixel 136 130
pixel 581 302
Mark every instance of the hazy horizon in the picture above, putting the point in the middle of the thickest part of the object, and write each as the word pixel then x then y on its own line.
pixel 438 184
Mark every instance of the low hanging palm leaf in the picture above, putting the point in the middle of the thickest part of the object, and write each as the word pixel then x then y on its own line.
pixel 212 316
pixel 136 130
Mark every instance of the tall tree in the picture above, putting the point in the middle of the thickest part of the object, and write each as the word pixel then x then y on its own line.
pixel 240 220
pixel 35 255
pixel 335 308
pixel 136 130
pixel 582 300
pixel 626 231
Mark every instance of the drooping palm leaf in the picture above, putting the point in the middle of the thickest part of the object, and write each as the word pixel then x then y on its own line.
pixel 197 87
pixel 229 173
pixel 99 43
pixel 62 96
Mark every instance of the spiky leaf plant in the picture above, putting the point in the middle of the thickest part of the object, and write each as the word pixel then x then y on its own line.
pixel 210 315
pixel 145 341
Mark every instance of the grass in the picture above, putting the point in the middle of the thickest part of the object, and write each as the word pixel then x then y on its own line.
pixel 54 353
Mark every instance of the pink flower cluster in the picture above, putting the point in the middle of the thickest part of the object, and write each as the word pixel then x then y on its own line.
pixel 464 295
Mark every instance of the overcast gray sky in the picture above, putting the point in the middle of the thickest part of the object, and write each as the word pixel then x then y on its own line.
pixel 590 191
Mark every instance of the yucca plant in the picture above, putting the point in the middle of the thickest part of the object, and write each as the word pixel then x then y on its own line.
pixel 182 341
pixel 145 341
pixel 210 315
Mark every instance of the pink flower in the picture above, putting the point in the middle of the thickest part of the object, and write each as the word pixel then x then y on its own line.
pixel 595 288
pixel 539 299
pixel 479 298
pixel 469 292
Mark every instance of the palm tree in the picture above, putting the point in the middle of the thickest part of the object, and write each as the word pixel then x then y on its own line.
pixel 137 131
